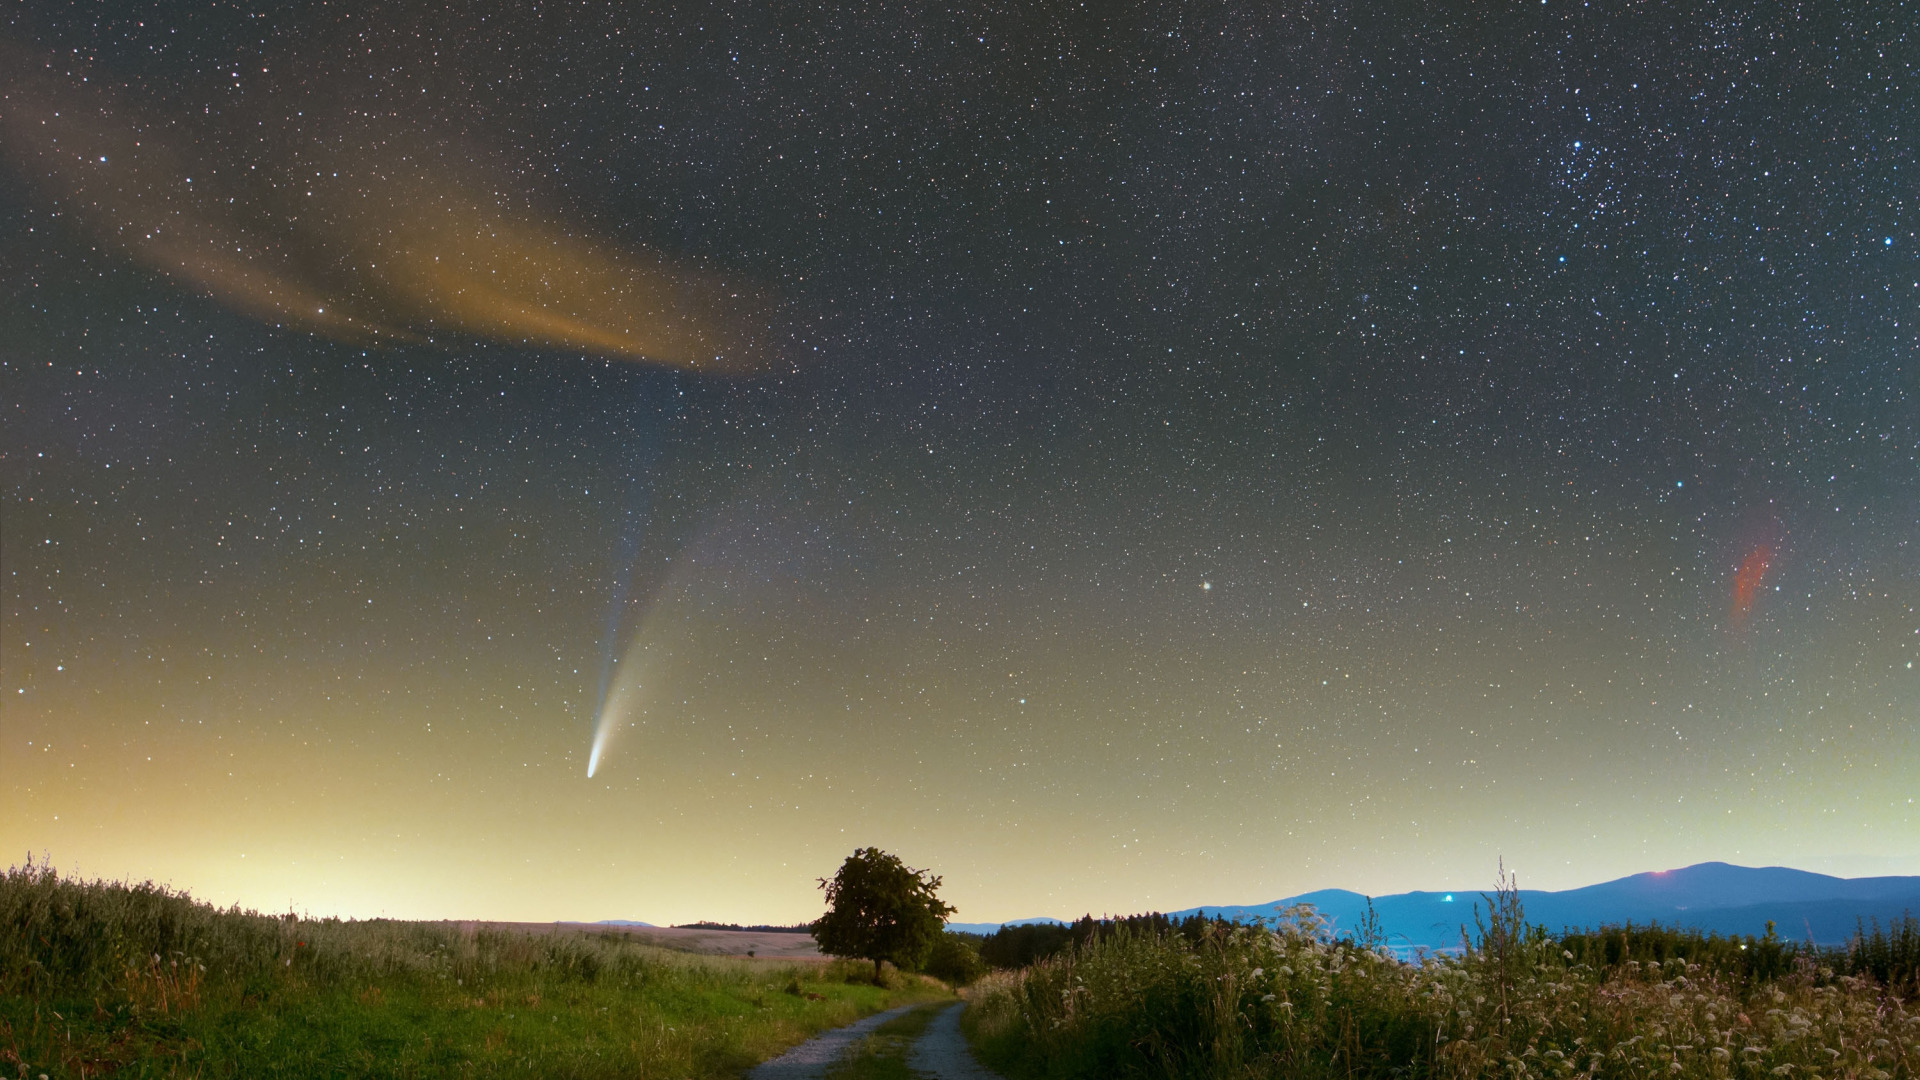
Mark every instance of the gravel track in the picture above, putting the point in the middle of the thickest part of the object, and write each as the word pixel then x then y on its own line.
pixel 940 1053
pixel 810 1059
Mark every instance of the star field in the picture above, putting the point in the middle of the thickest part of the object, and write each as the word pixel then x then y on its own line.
pixel 1122 458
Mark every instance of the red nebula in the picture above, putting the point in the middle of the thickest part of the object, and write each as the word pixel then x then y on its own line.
pixel 1746 582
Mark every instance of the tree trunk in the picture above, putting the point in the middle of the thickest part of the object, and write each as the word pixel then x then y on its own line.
pixel 876 972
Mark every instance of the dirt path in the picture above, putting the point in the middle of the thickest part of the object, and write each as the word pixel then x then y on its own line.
pixel 809 1060
pixel 940 1053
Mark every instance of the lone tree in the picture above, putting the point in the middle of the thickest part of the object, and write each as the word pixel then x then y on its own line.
pixel 879 908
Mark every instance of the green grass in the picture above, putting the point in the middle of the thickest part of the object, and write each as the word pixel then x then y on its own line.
pixel 883 1054
pixel 1291 1002
pixel 138 981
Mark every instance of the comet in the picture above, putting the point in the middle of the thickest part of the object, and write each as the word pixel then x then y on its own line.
pixel 649 661
pixel 741 562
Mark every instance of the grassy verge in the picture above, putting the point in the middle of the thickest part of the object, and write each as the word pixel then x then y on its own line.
pixel 883 1054
pixel 1291 1002
pixel 139 981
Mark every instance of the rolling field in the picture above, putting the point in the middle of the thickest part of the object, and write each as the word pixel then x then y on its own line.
pixel 137 981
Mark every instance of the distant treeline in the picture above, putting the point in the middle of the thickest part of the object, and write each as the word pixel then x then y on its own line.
pixel 799 928
pixel 1890 955
pixel 1023 946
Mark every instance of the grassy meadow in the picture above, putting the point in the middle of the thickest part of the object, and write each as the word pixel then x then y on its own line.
pixel 1292 1002
pixel 137 980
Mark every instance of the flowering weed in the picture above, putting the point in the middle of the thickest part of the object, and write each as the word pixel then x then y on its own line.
pixel 1290 1001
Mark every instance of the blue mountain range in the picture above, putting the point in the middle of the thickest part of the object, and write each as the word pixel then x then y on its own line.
pixel 1715 897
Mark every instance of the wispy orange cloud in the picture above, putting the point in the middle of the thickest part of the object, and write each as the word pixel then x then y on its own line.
pixel 363 241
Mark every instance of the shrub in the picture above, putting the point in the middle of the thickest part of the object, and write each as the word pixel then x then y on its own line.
pixel 955 959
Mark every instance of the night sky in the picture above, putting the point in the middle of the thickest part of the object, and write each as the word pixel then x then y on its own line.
pixel 1121 457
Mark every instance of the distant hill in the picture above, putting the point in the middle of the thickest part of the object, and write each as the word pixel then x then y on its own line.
pixel 1715 896
pixel 990 927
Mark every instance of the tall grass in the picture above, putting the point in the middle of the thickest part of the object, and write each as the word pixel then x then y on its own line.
pixel 1291 1001
pixel 140 980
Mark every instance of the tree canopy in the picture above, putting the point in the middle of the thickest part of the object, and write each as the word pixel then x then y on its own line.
pixel 879 908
